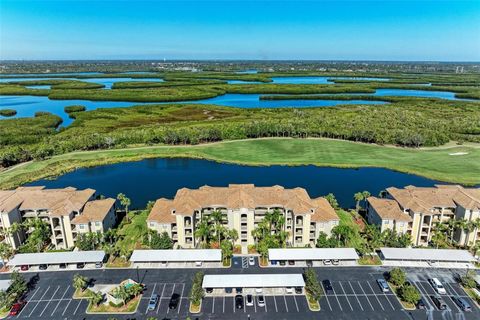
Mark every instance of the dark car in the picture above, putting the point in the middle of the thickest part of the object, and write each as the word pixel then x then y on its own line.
pixel 17 307
pixel 209 290
pixel 283 262
pixel 239 301
pixel 462 303
pixel 421 304
pixel 327 285
pixel 309 263
pixel 80 265
pixel 43 267
pixel 238 290
pixel 24 267
pixel 63 266
pixel 439 303
pixel 174 299
pixel 228 290
pixel 291 262
pixel 298 290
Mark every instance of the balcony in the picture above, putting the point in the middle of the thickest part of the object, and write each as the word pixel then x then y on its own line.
pixel 174 229
pixel 188 234
pixel 243 228
pixel 175 236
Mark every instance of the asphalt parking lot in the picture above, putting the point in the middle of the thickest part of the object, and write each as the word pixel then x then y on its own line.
pixel 355 295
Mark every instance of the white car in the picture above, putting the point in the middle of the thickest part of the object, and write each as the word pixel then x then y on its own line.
pixel 289 290
pixel 261 301
pixel 251 261
pixel 258 290
pixel 437 285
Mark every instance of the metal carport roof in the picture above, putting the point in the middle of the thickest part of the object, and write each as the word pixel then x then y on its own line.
pixel 411 254
pixel 178 255
pixel 56 258
pixel 312 254
pixel 5 284
pixel 253 280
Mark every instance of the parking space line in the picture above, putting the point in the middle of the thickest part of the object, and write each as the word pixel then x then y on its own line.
pixel 455 304
pixel 391 305
pixel 161 296
pixel 328 301
pixel 338 301
pixel 181 298
pixel 213 305
pixel 60 300
pixel 39 301
pixel 265 300
pixel 275 302
pixel 424 294
pixel 233 305
pixel 244 306
pixel 366 297
pixel 285 299
pixel 79 302
pixel 296 304
pixel 29 301
pixel 46 306
pixel 453 289
pixel 153 292
pixel 348 300
pixel 355 295
pixel 64 310
pixel 381 305
pixel 223 304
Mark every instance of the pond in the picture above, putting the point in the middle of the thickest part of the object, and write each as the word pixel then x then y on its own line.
pixel 155 178
pixel 107 82
pixel 307 80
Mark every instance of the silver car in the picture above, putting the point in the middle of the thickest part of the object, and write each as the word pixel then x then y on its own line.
pixel 152 303
pixel 383 285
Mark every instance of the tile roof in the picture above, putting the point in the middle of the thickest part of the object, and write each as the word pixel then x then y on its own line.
pixel 388 209
pixel 94 211
pixel 236 196
pixel 57 201
pixel 423 200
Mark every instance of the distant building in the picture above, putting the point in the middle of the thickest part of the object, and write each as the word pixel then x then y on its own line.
pixel 244 207
pixel 68 211
pixel 422 208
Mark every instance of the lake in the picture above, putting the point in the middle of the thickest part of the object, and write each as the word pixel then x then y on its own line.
pixel 306 80
pixel 107 82
pixel 155 178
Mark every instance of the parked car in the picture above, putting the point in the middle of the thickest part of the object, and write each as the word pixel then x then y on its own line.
pixel 238 290
pixel 383 285
pixel 152 303
pixel 309 263
pixel 298 290
pixel 421 304
pixel 209 290
pixel 24 267
pixel 98 265
pixel 462 303
pixel 261 300
pixel 273 262
pixel 251 261
pixel 258 290
pixel 198 264
pixel 439 303
pixel 174 299
pixel 63 266
pixel 291 262
pixel 239 301
pixel 249 301
pixel 289 290
pixel 17 307
pixel 437 285
pixel 228 290
pixel 80 265
pixel 327 262
pixel 335 262
pixel 283 262
pixel 327 285
pixel 43 267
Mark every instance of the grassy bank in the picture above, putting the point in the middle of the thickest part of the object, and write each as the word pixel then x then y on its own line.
pixel 433 163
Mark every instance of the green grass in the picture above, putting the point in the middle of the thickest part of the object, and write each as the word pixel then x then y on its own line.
pixel 134 230
pixel 346 218
pixel 130 307
pixel 369 261
pixel 434 163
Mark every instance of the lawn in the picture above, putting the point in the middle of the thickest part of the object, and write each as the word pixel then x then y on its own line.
pixel 434 163
pixel 130 307
pixel 133 230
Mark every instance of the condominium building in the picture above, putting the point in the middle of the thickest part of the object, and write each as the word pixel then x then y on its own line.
pixel 68 211
pixel 416 211
pixel 244 207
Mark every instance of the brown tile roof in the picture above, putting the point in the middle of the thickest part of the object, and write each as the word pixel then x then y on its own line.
pixel 57 201
pixel 388 209
pixel 323 211
pixel 446 196
pixel 236 196
pixel 94 211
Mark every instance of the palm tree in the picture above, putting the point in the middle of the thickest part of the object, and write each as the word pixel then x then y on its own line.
pixel 16 228
pixel 232 235
pixel 217 218
pixel 96 298
pixel 122 293
pixel 476 226
pixel 79 282
pixel 462 225
pixel 125 202
pixel 366 194
pixel 6 251
pixel 469 227
pixel 358 197
pixel 203 231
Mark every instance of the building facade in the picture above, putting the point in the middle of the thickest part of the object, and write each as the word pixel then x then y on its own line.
pixel 68 211
pixel 420 209
pixel 244 207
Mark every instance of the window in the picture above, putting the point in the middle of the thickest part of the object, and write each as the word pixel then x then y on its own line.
pixel 81 226
pixel 152 224
pixel 98 224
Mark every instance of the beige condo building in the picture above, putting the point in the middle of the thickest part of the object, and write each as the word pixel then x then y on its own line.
pixel 68 211
pixel 244 207
pixel 416 210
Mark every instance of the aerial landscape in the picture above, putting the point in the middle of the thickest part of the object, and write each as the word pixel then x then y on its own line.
pixel 239 159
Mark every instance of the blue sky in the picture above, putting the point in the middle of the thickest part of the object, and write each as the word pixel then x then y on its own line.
pixel 344 30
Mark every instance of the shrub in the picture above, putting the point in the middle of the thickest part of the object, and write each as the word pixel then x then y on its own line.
pixel 312 285
pixel 410 294
pixel 397 277
pixel 468 280
pixel 70 109
pixel 42 113
pixel 197 293
pixel 7 112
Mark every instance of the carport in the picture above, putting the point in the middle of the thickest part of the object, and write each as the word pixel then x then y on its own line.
pixel 312 256
pixel 57 260
pixel 446 258
pixel 5 284
pixel 180 258
pixel 269 284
